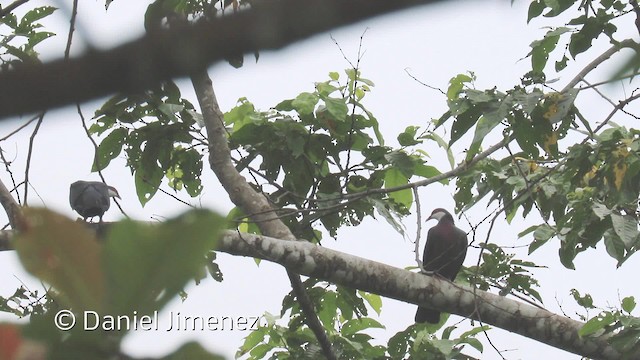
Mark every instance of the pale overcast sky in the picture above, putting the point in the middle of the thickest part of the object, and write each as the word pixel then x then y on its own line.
pixel 434 43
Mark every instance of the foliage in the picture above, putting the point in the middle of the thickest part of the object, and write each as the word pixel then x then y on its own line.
pixel 322 147
pixel 620 324
pixel 19 45
pixel 130 277
pixel 159 133
pixel 323 163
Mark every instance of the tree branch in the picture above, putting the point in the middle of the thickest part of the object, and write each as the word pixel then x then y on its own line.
pixel 430 291
pixel 165 54
pixel 11 207
pixel 250 201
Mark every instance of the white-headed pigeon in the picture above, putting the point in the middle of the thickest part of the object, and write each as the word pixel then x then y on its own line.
pixel 444 254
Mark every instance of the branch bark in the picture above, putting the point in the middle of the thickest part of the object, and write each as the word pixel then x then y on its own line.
pixel 11 207
pixel 355 272
pixel 388 281
pixel 166 54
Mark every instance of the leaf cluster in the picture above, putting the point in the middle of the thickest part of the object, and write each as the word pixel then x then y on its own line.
pixel 135 272
pixel 322 146
pixel 159 133
pixel 25 33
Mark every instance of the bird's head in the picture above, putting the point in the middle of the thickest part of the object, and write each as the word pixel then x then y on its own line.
pixel 113 192
pixel 438 214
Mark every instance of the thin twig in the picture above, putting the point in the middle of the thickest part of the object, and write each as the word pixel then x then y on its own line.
pixel 6 10
pixel 29 155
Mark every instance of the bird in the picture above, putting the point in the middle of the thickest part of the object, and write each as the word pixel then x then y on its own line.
pixel 91 198
pixel 443 255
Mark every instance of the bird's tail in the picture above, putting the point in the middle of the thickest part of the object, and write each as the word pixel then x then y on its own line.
pixel 427 315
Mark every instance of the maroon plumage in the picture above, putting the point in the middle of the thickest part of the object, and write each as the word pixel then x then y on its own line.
pixel 444 254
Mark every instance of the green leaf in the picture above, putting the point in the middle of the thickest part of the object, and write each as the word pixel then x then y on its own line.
pixel 600 210
pixel 626 227
pixel 337 108
pixel 354 326
pixel 456 84
pixel 581 40
pixel 38 13
pixel 334 76
pixel 483 128
pixel 585 301
pixel 540 236
pixel 374 300
pixel 535 9
pixel 428 171
pixel 252 340
pixel 596 324
pixel 443 144
pixel 394 177
pixel 109 148
pixel 463 122
pixel 146 267
pixel 305 103
pixel 65 254
pixel 408 136
pixel 628 304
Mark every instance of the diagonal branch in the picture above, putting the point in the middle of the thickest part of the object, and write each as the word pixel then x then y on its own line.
pixel 11 207
pixel 388 281
pixel 415 288
pixel 165 54
pixel 246 198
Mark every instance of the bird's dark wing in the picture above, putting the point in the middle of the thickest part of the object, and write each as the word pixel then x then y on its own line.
pixel 445 251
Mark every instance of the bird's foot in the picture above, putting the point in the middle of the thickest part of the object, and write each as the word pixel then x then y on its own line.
pixel 427 272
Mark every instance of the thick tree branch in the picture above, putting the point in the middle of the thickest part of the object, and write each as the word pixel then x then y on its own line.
pixel 165 54
pixel 388 281
pixel 249 200
pixel 356 272
pixel 11 207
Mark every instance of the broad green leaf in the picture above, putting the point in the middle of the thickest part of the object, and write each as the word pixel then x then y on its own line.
pixel 456 84
pixel 109 148
pixel 408 136
pixel 64 254
pixel 614 245
pixel 148 264
pixel 374 300
pixel 394 177
pixel 443 144
pixel 252 340
pixel 337 108
pixel 463 122
pixel 428 171
pixel 305 103
pixel 626 228
pixel 596 324
pixel 601 210
pixel 535 9
pixel 38 13
pixel 354 326
pixel 628 304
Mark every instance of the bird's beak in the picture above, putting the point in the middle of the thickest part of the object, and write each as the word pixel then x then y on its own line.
pixel 114 193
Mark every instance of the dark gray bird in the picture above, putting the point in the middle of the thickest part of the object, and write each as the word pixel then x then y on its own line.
pixel 91 198
pixel 444 254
